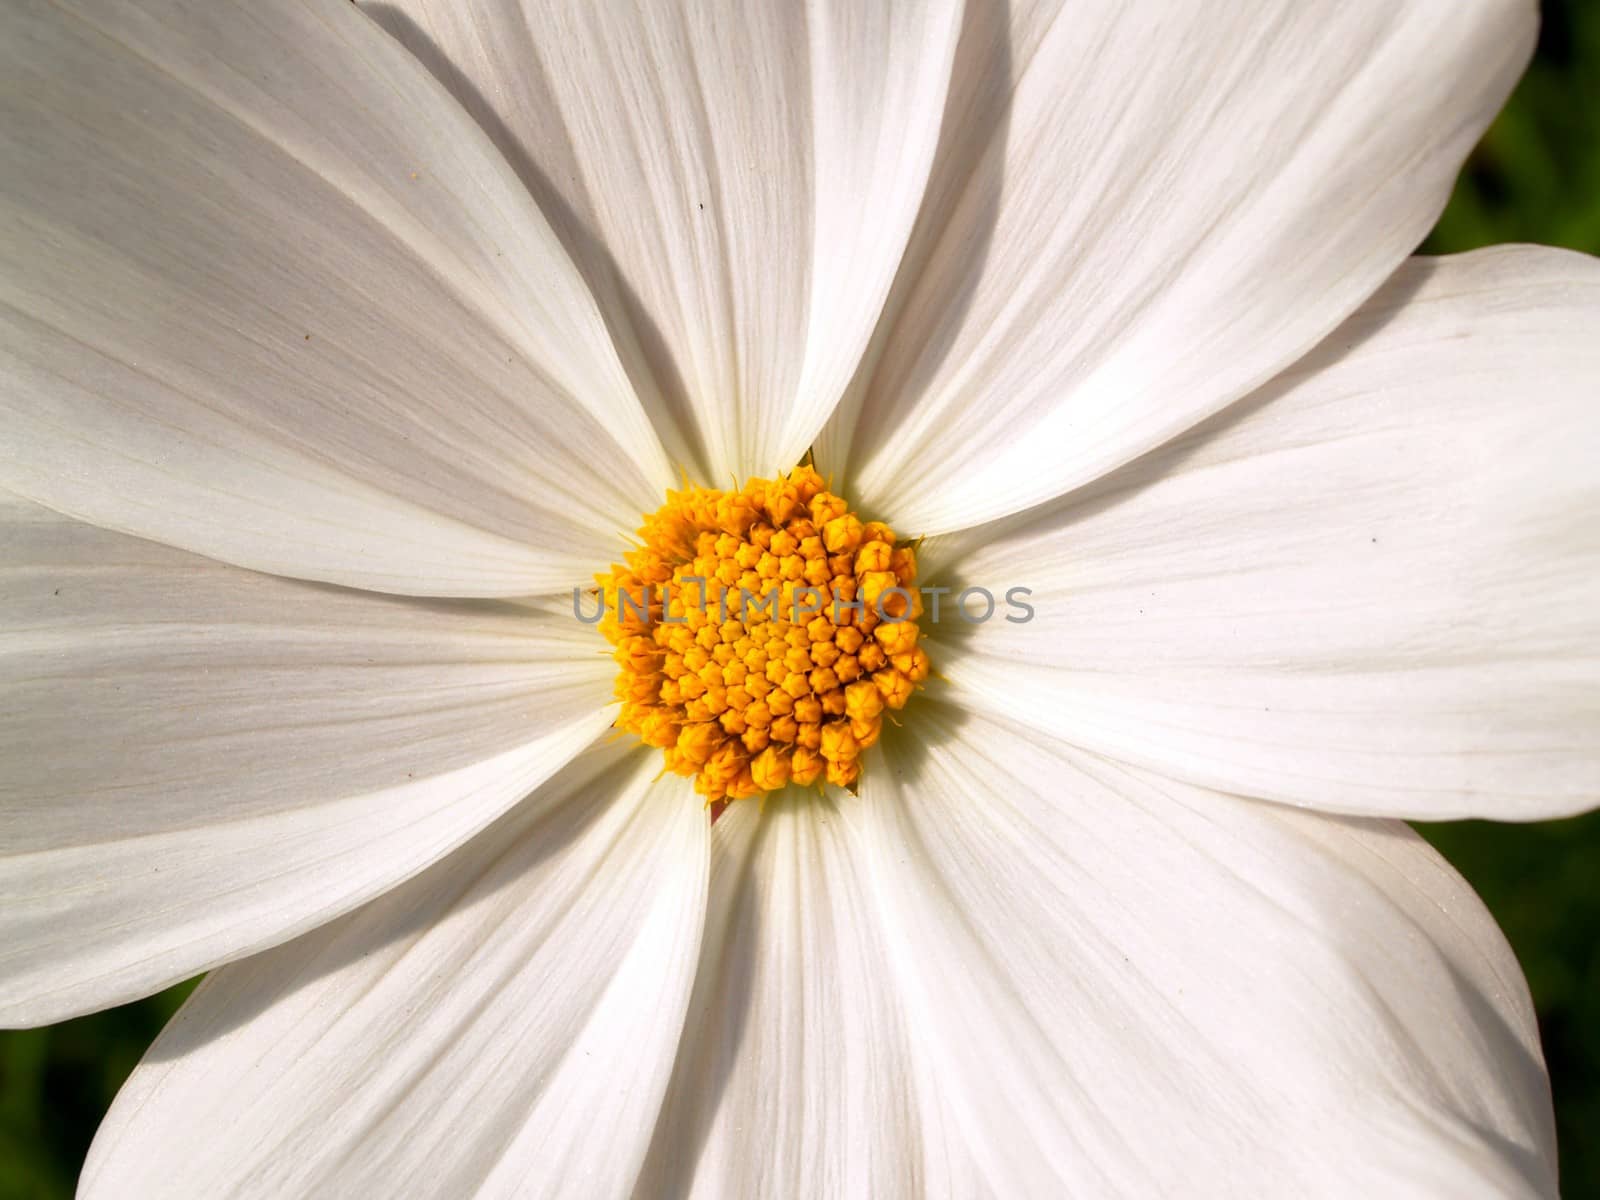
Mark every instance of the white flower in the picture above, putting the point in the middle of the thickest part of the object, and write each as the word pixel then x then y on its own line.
pixel 1111 295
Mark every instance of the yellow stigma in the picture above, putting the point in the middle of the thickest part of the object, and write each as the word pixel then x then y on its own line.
pixel 761 635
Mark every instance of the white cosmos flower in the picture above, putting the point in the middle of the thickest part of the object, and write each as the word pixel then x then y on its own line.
pixel 330 337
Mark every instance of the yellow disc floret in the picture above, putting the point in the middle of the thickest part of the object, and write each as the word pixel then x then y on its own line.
pixel 762 634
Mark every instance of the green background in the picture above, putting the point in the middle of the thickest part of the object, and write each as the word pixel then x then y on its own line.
pixel 1535 178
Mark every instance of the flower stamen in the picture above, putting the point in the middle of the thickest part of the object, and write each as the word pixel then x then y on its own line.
pixel 761 635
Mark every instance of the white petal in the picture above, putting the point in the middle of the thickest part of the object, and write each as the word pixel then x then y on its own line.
pixel 1143 211
pixel 268 294
pixel 503 1025
pixel 737 179
pixel 1130 986
pixel 1373 588
pixel 197 761
pixel 797 1075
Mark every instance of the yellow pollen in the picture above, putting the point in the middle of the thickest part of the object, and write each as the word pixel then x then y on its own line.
pixel 762 635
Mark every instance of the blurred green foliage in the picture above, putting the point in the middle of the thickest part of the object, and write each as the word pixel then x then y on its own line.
pixel 1534 178
pixel 1541 884
pixel 56 1084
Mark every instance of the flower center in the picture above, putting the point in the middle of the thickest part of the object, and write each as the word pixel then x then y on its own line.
pixel 762 634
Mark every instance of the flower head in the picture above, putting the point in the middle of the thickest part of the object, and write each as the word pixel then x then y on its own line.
pixel 340 343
